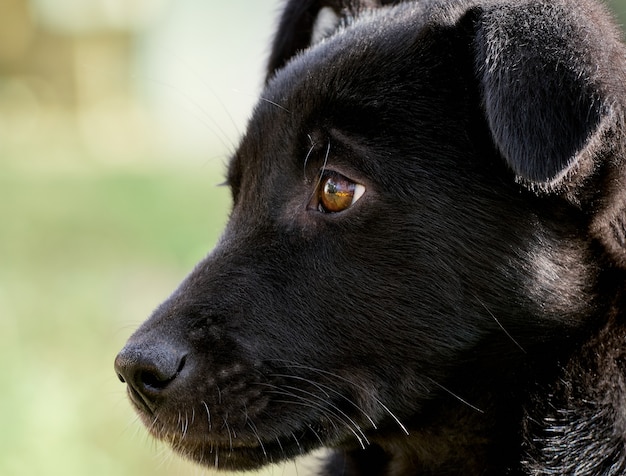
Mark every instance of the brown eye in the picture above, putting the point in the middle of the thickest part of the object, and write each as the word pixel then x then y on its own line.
pixel 337 193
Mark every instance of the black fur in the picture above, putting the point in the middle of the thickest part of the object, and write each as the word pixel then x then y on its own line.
pixel 465 315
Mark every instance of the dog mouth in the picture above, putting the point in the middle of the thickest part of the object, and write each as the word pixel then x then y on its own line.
pixel 247 419
pixel 250 443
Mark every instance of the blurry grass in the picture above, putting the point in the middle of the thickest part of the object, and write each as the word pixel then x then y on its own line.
pixel 84 258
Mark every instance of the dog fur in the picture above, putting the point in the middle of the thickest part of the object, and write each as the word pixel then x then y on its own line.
pixel 464 315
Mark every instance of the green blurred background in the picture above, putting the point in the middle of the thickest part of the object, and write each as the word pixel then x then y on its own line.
pixel 116 120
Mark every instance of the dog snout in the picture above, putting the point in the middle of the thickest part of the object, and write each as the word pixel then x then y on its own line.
pixel 149 369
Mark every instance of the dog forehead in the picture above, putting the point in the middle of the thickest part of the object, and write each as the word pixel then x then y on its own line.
pixel 371 68
pixel 363 62
pixel 362 40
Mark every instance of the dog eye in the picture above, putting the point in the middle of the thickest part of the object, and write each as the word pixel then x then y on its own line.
pixel 337 193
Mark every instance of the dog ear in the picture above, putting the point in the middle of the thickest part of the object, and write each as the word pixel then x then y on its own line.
pixel 552 78
pixel 542 91
pixel 295 31
pixel 305 22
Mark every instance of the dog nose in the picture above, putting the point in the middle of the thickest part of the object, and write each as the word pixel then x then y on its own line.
pixel 148 370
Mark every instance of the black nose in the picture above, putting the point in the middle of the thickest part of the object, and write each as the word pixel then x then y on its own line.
pixel 148 370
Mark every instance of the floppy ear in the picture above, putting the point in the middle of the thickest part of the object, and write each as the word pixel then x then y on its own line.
pixel 552 78
pixel 295 29
pixel 305 22
pixel 298 26
pixel 542 91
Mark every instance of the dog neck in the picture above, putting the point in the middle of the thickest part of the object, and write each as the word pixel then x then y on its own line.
pixel 581 427
pixel 450 445
pixel 452 439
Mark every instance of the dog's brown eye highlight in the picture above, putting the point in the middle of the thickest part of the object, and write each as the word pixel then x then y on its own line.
pixel 337 193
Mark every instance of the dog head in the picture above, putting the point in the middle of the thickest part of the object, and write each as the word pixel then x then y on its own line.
pixel 423 188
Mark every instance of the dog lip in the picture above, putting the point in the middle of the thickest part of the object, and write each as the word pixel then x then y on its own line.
pixel 223 456
pixel 237 448
pixel 142 404
pixel 243 447
pixel 228 445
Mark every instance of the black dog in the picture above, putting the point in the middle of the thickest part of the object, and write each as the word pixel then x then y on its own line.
pixel 424 265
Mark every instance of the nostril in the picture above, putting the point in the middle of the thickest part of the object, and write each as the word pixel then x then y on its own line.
pixel 158 378
pixel 148 369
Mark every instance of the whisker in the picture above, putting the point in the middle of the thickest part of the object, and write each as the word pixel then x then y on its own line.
pixel 339 377
pixel 498 322
pixel 319 438
pixel 252 426
pixel 319 178
pixel 332 417
pixel 331 406
pixel 230 436
pixel 208 413
pixel 261 98
pixel 459 398
pixel 331 411
pixel 323 389
pixel 397 420
pixel 280 445
pixel 363 442
pixel 325 159
pixel 306 159
pixel 297 442
pixel 154 422
pixel 302 401
pixel 185 426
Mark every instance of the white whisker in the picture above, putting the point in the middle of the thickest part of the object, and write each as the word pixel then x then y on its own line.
pixel 459 398
pixel 256 433
pixel 261 98
pixel 308 154
pixel 325 389
pixel 500 325
pixel 230 436
pixel 297 442
pixel 397 420
pixel 320 175
pixel 208 413
pixel 360 387
pixel 329 410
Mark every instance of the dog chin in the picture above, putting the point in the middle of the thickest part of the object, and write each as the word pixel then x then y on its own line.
pixel 223 456
pixel 239 455
pixel 235 449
